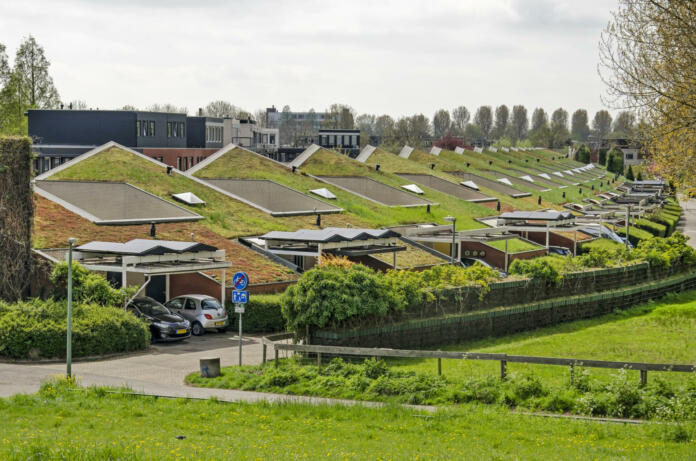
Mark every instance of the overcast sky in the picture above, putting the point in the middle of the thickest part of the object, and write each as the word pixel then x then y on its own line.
pixel 396 57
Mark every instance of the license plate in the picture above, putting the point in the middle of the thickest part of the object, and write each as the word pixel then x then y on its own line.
pixel 181 332
pixel 218 324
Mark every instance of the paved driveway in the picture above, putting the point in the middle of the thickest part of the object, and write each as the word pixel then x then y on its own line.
pixel 164 365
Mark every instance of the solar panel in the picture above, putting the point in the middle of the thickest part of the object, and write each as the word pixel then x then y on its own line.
pixel 413 188
pixel 324 193
pixel 188 198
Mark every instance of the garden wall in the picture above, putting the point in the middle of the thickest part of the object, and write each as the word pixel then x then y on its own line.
pixel 500 321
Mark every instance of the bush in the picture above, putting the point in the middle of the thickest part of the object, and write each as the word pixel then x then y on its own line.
pixel 583 154
pixel 442 277
pixel 658 230
pixel 331 296
pixel 88 287
pixel 635 235
pixel 538 268
pixel 263 314
pixel 664 252
pixel 37 329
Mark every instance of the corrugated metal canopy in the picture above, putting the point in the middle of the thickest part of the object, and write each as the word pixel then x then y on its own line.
pixel 330 234
pixel 537 215
pixel 142 247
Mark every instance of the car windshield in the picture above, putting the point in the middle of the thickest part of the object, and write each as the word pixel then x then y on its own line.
pixel 151 308
pixel 210 304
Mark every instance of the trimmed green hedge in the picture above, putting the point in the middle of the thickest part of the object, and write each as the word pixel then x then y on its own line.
pixel 263 314
pixel 635 235
pixel 37 329
pixel 656 229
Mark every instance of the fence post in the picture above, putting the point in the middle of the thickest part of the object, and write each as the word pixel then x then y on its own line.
pixel 263 359
pixel 572 374
pixel 503 369
pixel 275 349
pixel 318 360
pixel 439 366
pixel 643 377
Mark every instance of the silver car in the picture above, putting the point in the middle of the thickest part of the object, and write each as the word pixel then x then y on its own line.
pixel 203 311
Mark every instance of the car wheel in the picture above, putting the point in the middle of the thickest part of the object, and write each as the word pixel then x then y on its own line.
pixel 197 329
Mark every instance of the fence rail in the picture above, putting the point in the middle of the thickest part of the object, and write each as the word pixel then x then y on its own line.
pixel 439 355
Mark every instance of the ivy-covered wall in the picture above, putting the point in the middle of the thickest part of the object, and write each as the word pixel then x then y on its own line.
pixel 16 216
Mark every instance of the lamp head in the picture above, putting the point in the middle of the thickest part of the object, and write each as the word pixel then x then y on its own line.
pixel 72 241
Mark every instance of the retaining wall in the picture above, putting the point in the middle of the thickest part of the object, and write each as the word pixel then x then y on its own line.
pixel 453 321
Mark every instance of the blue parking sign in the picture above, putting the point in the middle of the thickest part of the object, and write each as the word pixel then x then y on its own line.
pixel 240 297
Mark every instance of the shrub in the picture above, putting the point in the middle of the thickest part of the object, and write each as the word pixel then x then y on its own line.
pixel 443 277
pixel 658 230
pixel 88 287
pixel 35 329
pixel 538 268
pixel 331 296
pixel 635 235
pixel 663 252
pixel 583 154
pixel 263 314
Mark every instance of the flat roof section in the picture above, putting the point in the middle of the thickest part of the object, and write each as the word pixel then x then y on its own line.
pixel 271 197
pixel 112 203
pixel 375 191
pixel 447 187
pixel 491 184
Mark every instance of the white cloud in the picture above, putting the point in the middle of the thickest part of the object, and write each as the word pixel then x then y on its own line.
pixel 397 57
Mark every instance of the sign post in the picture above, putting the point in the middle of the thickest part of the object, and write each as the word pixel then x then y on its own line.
pixel 240 297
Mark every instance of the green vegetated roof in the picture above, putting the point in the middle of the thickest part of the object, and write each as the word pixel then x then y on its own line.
pixel 514 245
pixel 478 164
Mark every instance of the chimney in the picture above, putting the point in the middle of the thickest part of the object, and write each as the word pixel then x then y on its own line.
pixel 200 112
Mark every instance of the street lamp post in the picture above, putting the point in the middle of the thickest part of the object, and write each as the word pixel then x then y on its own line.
pixel 453 220
pixel 68 346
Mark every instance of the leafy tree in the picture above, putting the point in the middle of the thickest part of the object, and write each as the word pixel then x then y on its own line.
pixel 520 123
pixel 639 176
pixel 460 117
pixel 601 124
pixel 449 142
pixel 647 57
pixel 624 124
pixel 12 107
pixel 220 109
pixel 366 123
pixel 129 107
pixel 484 120
pixel 539 119
pixel 35 83
pixel 615 162
pixel 78 104
pixel 583 154
pixel 339 116
pixel 629 174
pixel 579 127
pixel 384 126
pixel 4 65
pixel 502 119
pixel 441 123
pixel 419 129
pixel 167 108
pixel 602 156
pixel 559 127
pixel 261 118
pixel 472 132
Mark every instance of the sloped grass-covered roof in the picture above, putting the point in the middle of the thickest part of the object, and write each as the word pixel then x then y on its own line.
pixel 53 225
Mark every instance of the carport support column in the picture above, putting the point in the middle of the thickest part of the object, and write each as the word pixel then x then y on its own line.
pixel 166 287
pixel 547 236
pixel 506 255
pixel 394 265
pixel 224 289
pixel 124 275
pixel 575 242
pixel 319 254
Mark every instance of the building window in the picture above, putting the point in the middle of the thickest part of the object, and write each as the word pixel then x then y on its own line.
pixel 183 129
pixel 152 128
pixel 178 163
pixel 186 163
pixel 137 128
pixel 169 129
pixel 191 162
pixel 629 156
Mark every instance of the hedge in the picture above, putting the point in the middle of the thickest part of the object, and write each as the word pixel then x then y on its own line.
pixel 656 229
pixel 262 314
pixel 635 235
pixel 37 329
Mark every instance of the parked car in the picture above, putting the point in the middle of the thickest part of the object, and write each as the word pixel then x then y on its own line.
pixel 468 262
pixel 563 251
pixel 164 325
pixel 203 311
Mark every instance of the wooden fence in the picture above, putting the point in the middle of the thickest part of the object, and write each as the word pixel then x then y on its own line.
pixel 273 341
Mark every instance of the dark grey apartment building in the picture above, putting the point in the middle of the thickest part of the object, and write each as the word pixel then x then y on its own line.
pixel 176 139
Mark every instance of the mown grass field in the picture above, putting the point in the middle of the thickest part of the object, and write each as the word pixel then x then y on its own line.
pixel 661 332
pixel 80 425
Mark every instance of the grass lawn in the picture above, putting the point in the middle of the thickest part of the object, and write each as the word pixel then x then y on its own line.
pixel 661 332
pixel 603 243
pixel 514 245
pixel 657 332
pixel 91 424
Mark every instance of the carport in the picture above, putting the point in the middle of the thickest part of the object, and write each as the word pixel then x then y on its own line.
pixel 349 242
pixel 151 258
